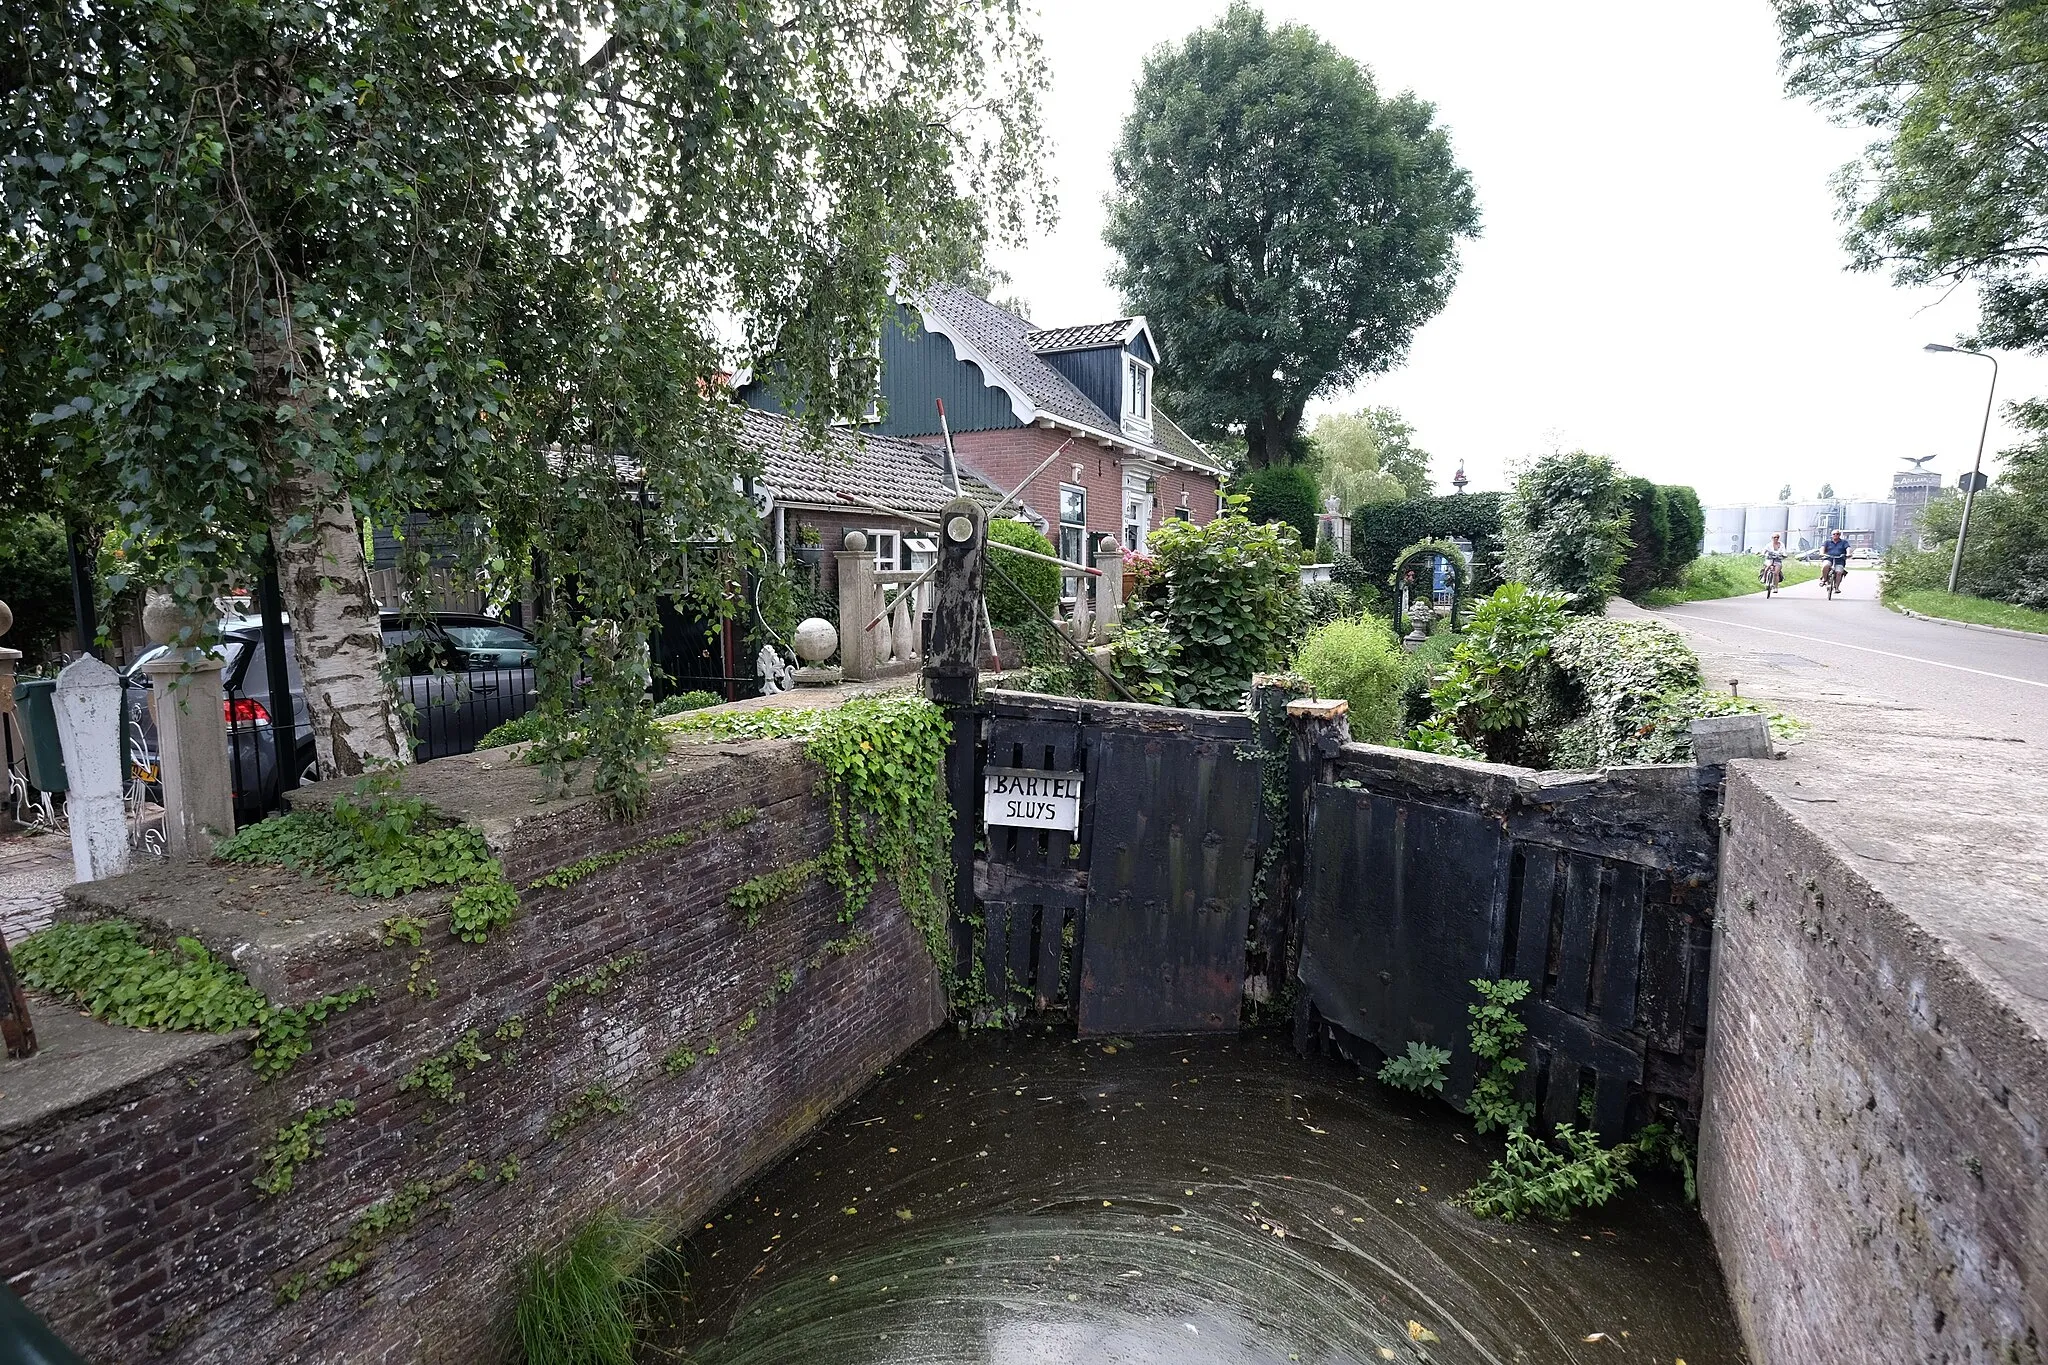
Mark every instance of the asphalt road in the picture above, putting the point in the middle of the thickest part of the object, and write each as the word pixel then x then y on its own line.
pixel 1973 679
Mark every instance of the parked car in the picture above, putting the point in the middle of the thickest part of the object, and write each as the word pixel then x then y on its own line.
pixel 460 676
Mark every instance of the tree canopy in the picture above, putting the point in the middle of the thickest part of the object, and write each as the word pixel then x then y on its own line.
pixel 1956 186
pixel 1284 226
pixel 1368 456
pixel 302 266
pixel 1565 528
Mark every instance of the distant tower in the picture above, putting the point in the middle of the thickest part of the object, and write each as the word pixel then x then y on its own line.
pixel 1458 480
pixel 1910 491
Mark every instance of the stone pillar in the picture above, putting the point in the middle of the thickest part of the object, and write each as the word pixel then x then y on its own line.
pixel 88 705
pixel 10 727
pixel 1109 592
pixel 188 699
pixel 858 603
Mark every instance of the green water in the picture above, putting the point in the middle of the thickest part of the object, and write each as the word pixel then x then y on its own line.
pixel 1026 1199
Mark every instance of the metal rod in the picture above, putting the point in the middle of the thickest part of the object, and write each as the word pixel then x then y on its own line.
pixel 85 615
pixel 1044 464
pixel 914 520
pixel 988 622
pixel 952 460
pixel 1955 567
pixel 1060 634
pixel 912 586
pixel 284 727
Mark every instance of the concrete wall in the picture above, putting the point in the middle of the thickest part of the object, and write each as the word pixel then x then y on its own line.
pixel 131 1221
pixel 1871 1153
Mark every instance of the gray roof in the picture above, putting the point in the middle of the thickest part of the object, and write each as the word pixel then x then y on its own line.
pixel 1009 342
pixel 904 474
pixel 1085 337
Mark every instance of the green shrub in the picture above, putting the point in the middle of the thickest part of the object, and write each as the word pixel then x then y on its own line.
pixel 687 701
pixel 585 1304
pixel 1014 611
pixel 1495 684
pixel 1286 494
pixel 1322 603
pixel 1497 1034
pixel 1665 527
pixel 1425 666
pixel 1227 595
pixel 1614 676
pixel 521 730
pixel 35 567
pixel 1565 530
pixel 1421 1072
pixel 1533 1177
pixel 1359 660
pixel 1380 531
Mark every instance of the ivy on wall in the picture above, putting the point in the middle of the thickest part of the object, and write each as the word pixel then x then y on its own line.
pixel 882 762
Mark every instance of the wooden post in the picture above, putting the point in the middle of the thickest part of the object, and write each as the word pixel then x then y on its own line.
pixel 16 1031
pixel 1318 729
pixel 952 672
pixel 1267 973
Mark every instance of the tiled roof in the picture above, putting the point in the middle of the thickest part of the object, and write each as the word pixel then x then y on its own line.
pixel 1080 338
pixel 1008 342
pixel 904 474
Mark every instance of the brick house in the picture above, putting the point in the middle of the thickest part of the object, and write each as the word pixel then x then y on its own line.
pixel 1014 393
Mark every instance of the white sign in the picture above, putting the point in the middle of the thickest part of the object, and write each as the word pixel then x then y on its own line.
pixel 1035 800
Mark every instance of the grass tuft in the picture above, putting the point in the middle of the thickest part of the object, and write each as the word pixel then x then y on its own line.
pixel 1714 576
pixel 1980 611
pixel 584 1305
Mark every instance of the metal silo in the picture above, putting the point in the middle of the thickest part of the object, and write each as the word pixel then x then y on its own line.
pixel 1724 531
pixel 1761 521
pixel 1870 523
pixel 1807 524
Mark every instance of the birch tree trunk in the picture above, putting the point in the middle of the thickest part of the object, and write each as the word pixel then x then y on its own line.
pixel 325 583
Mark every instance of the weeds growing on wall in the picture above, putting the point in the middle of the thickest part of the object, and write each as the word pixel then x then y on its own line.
pixel 106 968
pixel 883 777
pixel 1420 1071
pixel 584 1305
pixel 377 843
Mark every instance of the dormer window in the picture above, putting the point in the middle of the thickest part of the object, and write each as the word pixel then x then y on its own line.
pixel 1137 390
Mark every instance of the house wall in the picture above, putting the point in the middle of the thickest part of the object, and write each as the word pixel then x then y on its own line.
pixel 1005 457
pixel 920 366
pixel 1098 373
pixel 832 528
pixel 132 1223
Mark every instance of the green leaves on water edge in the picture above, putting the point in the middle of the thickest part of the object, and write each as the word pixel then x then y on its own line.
pixel 1497 1033
pixel 107 968
pixel 377 843
pixel 1420 1072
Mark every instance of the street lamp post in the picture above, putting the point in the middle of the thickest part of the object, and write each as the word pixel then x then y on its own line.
pixel 1955 567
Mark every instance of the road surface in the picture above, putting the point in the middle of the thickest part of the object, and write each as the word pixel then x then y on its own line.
pixel 1798 642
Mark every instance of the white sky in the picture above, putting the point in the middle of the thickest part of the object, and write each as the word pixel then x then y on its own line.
pixel 1659 278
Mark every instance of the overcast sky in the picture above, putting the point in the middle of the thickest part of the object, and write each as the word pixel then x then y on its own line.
pixel 1660 275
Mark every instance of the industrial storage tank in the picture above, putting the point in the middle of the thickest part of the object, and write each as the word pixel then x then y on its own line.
pixel 1724 531
pixel 1870 523
pixel 1807 524
pixel 1761 521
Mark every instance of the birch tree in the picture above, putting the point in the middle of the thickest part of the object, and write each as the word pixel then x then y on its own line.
pixel 314 266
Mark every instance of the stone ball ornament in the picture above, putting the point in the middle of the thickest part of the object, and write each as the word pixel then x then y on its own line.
pixel 815 639
pixel 856 541
pixel 6 618
pixel 167 621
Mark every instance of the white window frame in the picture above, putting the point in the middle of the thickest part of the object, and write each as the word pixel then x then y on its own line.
pixel 887 536
pixel 1080 530
pixel 1137 411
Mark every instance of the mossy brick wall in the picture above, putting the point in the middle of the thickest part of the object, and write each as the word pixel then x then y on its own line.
pixel 132 1223
pixel 1871 1152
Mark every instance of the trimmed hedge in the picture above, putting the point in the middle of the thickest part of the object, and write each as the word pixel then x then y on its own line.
pixel 1381 530
pixel 1286 494
pixel 1013 612
pixel 1666 524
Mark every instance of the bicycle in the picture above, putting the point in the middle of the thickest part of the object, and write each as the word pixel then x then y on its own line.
pixel 1773 574
pixel 1831 576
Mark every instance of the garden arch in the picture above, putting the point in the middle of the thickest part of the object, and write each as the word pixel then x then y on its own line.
pixel 1461 579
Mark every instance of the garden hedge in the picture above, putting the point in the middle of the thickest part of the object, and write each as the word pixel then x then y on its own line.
pixel 1286 494
pixel 1381 530
pixel 1666 525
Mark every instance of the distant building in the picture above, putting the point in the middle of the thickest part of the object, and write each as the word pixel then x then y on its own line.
pixel 1911 490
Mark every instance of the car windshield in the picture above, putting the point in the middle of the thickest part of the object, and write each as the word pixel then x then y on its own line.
pixel 488 635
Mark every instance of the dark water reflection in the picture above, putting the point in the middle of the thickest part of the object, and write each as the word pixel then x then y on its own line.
pixel 1026 1198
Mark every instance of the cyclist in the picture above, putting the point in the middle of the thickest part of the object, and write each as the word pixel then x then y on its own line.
pixel 1837 560
pixel 1773 571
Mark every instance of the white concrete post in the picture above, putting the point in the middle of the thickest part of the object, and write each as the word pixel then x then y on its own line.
pixel 857 606
pixel 9 726
pixel 1109 592
pixel 189 700
pixel 88 705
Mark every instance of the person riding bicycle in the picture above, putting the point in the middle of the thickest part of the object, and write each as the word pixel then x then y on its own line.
pixel 1773 570
pixel 1836 553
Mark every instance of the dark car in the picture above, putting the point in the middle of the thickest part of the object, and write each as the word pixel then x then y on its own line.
pixel 459 676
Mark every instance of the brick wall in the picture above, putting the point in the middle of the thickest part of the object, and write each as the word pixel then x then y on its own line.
pixel 132 1224
pixel 1005 457
pixel 1871 1152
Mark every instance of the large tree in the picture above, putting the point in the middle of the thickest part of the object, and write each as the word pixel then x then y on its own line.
pixel 1368 456
pixel 1956 186
pixel 1284 226
pixel 308 265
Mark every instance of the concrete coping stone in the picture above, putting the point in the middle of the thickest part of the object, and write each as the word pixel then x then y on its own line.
pixel 82 1061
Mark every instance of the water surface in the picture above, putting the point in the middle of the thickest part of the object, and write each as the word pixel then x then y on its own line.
pixel 1025 1198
